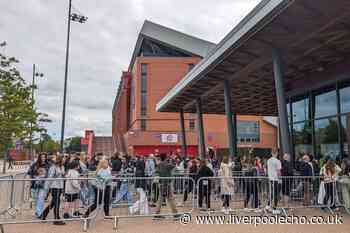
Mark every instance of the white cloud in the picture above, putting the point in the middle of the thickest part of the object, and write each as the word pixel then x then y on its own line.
pixel 35 31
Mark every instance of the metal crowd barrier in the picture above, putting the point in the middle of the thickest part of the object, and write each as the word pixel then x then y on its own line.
pixel 259 194
pixel 343 194
pixel 33 198
pixel 135 197
pixel 6 203
pixel 228 194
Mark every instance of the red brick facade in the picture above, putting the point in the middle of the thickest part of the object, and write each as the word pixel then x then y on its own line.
pixel 163 73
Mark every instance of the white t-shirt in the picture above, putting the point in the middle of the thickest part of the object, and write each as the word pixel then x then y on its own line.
pixel 273 168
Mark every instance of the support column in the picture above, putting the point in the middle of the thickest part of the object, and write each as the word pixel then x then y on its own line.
pixel 231 127
pixel 200 129
pixel 183 135
pixel 281 102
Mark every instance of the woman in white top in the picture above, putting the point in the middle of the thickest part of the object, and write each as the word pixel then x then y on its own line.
pixel 225 173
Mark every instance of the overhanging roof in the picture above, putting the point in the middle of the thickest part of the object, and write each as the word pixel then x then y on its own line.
pixel 169 37
pixel 311 35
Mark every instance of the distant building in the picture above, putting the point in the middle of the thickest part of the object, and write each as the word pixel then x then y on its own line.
pixel 92 144
pixel 161 58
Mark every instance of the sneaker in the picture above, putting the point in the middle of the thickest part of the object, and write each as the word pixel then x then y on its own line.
pixel 246 209
pixel 152 205
pixel 66 216
pixel 77 214
pixel 223 210
pixel 257 211
pixel 59 223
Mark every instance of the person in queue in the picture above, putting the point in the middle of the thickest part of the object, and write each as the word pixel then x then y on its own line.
pixel 165 169
pixel 204 188
pixel 104 179
pixel 287 180
pixel 227 185
pixel 274 167
pixel 330 172
pixel 55 185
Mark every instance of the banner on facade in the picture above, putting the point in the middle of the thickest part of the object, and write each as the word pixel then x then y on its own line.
pixel 169 138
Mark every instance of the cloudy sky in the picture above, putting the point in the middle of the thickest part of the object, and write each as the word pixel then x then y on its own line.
pixel 35 32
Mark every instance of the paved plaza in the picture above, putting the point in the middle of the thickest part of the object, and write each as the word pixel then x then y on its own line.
pixel 147 225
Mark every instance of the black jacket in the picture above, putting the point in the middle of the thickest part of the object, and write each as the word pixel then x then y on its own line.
pixel 287 168
pixel 205 172
pixel 116 165
pixel 306 169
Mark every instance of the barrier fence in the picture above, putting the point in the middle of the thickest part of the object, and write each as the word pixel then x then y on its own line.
pixel 157 197
pixel 30 198
pixel 135 197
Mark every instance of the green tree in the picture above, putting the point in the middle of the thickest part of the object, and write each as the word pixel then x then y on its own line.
pixel 47 144
pixel 18 117
pixel 74 144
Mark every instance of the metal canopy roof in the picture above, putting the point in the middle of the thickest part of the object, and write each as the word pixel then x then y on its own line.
pixel 311 35
pixel 169 37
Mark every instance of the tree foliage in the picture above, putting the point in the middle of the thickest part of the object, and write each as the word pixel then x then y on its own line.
pixel 47 144
pixel 74 144
pixel 18 117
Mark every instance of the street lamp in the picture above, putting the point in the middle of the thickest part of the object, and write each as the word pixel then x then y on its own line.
pixel 80 19
pixel 35 74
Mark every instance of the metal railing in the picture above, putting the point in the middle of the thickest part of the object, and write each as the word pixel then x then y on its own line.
pixel 26 198
pixel 135 197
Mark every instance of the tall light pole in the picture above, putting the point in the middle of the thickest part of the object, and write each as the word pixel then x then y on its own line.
pixel 81 19
pixel 35 74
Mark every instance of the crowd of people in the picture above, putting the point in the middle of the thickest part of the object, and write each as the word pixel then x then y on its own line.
pixel 67 177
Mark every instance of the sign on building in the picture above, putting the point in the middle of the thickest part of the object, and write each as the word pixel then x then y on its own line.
pixel 169 138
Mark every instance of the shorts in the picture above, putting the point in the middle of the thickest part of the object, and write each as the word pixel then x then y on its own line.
pixel 71 197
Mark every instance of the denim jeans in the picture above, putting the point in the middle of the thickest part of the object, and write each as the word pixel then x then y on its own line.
pixel 40 202
pixel 123 192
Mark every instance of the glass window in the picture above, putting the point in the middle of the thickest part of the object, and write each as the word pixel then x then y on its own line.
pixel 326 104
pixel 345 130
pixel 143 77
pixel 143 124
pixel 345 99
pixel 144 69
pixel 248 131
pixel 326 138
pixel 300 110
pixel 143 104
pixel 143 89
pixel 192 124
pixel 302 133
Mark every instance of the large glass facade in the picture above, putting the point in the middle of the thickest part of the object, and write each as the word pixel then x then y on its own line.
pixel 248 131
pixel 345 131
pixel 321 122
pixel 326 138
pixel 302 133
